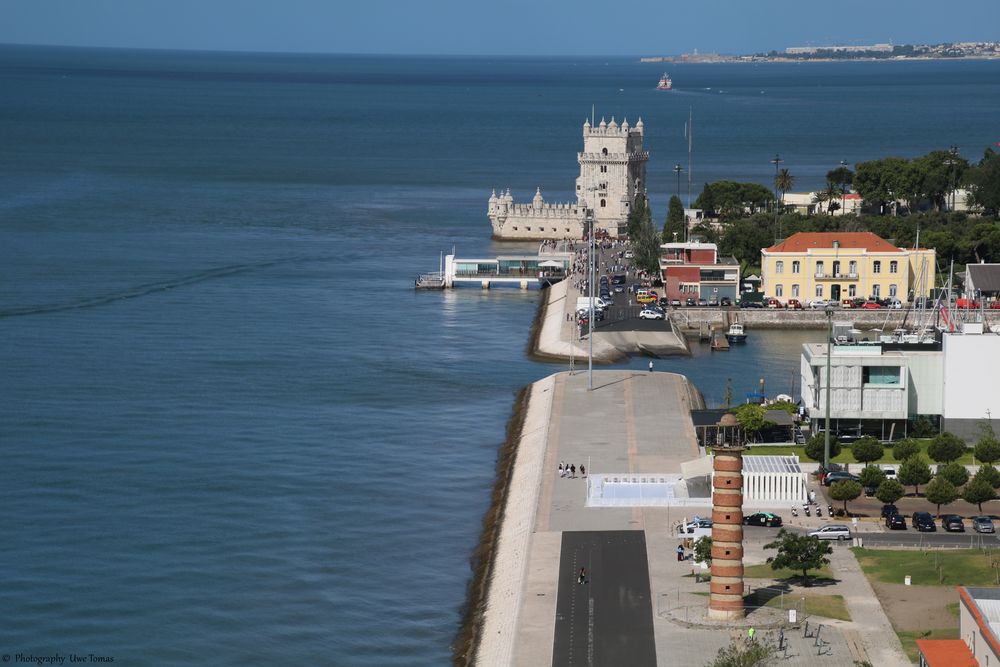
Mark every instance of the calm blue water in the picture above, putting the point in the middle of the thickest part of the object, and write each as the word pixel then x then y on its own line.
pixel 231 431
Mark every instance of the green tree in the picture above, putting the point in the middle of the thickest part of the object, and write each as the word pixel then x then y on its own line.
pixel 799 552
pixel 783 182
pixel 987 450
pixel 829 195
pixel 814 447
pixel 675 221
pixel 889 491
pixel 988 474
pixel 751 418
pixel 914 472
pixel 872 477
pixel 954 473
pixel 645 240
pixel 923 427
pixel 977 492
pixel 757 653
pixel 785 406
pixel 983 182
pixel 703 550
pixel 946 447
pixel 905 449
pixel 940 492
pixel 867 449
pixel 845 490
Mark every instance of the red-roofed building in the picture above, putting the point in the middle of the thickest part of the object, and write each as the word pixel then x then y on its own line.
pixel 834 266
pixel 695 270
pixel 978 644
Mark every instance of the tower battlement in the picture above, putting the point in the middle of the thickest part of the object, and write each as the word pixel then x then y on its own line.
pixel 612 172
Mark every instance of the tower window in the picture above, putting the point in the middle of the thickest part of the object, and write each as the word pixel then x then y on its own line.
pixel 604 203
pixel 604 151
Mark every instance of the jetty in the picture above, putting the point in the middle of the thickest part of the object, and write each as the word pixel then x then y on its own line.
pixel 522 271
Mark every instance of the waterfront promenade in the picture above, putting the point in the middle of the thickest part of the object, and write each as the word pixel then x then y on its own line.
pixel 537 613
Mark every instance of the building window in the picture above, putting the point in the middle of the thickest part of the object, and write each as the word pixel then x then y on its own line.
pixel 819 291
pixel 604 151
pixel 528 228
pixel 892 290
pixel 779 267
pixel 604 203
pixel 819 269
pixel 852 291
pixel 852 268
pixel 876 291
pixel 796 266
pixel 836 269
pixel 893 266
pixel 795 291
pixel 779 290
pixel 880 374
pixel 876 266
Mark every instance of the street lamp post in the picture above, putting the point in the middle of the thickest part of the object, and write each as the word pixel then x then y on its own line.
pixel 677 170
pixel 953 161
pixel 829 354
pixel 843 191
pixel 777 160
pixel 590 291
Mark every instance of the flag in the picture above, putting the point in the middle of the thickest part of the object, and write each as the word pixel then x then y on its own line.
pixel 944 318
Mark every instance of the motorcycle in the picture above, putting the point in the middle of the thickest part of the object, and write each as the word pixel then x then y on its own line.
pixel 807 511
pixel 794 512
pixel 819 511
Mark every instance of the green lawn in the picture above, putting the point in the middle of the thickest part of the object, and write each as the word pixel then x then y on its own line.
pixel 909 639
pixel 764 571
pixel 845 453
pixel 827 606
pixel 966 567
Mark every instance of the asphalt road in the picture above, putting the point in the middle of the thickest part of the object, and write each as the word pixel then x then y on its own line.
pixel 608 620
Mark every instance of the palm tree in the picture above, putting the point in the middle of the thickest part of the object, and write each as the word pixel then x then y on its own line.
pixel 784 182
pixel 829 194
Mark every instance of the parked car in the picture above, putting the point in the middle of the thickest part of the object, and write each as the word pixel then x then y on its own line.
pixel 618 289
pixel 762 519
pixel 664 302
pixel 696 522
pixel 751 304
pixel 817 304
pixel 650 314
pixel 832 531
pixel 703 302
pixel 889 510
pixel 924 522
pixel 838 476
pixel 676 303
pixel 774 303
pixel 725 301
pixel 894 303
pixel 995 305
pixel 890 472
pixel 646 297
pixel 895 522
pixel 847 303
pixel 618 280
pixel 982 524
pixel 713 301
pixel 689 302
pixel 953 523
pixel 794 304
pixel 871 305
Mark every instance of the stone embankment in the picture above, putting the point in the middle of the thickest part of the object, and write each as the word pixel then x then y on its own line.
pixel 554 336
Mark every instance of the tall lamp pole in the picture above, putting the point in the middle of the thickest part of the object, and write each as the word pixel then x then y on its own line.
pixel 843 191
pixel 590 291
pixel 677 170
pixel 829 354
pixel 777 160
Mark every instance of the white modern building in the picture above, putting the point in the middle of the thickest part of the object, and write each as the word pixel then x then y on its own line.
pixel 772 480
pixel 880 386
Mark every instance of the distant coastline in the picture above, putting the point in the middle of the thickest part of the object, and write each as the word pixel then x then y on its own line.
pixel 785 59
pixel 853 52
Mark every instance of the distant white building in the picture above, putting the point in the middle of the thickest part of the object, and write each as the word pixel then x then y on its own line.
pixel 807 204
pixel 612 173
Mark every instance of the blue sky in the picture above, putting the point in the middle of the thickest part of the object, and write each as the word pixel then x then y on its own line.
pixel 514 27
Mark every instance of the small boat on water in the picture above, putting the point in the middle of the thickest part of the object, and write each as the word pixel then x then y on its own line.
pixel 429 281
pixel 736 334
pixel 665 83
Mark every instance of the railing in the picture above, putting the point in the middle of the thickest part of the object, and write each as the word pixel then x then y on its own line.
pixel 836 276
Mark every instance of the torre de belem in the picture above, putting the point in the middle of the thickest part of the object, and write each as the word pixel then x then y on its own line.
pixel 612 172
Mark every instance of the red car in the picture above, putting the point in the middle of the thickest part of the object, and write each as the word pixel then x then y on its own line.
pixel 995 305
pixel 871 305
pixel 794 304
pixel 774 303
pixel 847 303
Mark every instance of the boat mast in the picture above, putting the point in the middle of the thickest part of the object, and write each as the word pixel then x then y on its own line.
pixel 690 133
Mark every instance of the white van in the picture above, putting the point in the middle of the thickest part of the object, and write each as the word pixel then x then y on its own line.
pixel 890 472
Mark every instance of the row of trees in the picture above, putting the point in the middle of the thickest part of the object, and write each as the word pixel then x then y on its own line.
pixel 794 552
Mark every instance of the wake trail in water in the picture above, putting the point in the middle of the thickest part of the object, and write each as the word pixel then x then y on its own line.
pixel 152 288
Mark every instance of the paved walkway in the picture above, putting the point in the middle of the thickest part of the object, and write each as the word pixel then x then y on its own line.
pixel 633 422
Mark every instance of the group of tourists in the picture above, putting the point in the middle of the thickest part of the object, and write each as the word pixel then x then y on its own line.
pixel 570 470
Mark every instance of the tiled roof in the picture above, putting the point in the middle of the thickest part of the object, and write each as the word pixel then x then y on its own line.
pixel 946 653
pixel 986 277
pixel 803 241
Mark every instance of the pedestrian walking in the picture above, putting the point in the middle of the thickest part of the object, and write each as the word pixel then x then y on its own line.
pixel 651 367
pixel 563 469
pixel 750 633
pixel 560 470
pixel 582 578
pixel 680 552
pixel 583 471
pixel 572 470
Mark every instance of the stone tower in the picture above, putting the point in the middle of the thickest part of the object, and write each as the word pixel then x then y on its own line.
pixel 726 596
pixel 612 173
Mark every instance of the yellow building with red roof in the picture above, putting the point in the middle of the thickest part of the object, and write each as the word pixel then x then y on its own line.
pixel 834 266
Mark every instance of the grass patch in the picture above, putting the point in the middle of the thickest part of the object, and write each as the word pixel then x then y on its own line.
pixel 952 609
pixel 967 567
pixel 845 455
pixel 909 639
pixel 827 606
pixel 764 571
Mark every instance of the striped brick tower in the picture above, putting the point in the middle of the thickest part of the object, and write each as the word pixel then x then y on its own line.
pixel 726 598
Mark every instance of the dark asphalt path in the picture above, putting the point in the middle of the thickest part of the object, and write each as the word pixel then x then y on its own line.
pixel 609 619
